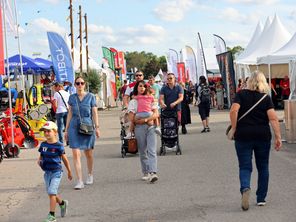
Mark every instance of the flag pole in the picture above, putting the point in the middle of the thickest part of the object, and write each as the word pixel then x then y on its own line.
pixel 80 36
pixel 21 59
pixel 8 74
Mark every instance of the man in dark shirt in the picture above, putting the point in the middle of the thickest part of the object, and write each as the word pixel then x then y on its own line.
pixel 171 95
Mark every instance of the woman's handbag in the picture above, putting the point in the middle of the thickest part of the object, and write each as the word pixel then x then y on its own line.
pixel 229 131
pixel 84 128
pixel 132 146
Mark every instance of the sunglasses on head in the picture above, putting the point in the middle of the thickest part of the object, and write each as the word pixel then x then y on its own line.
pixel 79 83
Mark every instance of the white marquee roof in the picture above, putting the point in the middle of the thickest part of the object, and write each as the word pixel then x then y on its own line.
pixel 281 56
pixel 271 39
pixel 250 47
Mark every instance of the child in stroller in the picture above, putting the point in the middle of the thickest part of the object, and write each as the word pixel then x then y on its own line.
pixel 145 106
pixel 169 131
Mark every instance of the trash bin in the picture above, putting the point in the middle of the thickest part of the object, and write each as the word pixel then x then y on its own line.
pixel 290 120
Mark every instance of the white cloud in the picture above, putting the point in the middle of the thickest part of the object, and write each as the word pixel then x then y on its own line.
pixel 234 38
pixel 233 15
pixel 173 10
pixel 92 28
pixel 254 2
pixel 43 24
pixel 52 1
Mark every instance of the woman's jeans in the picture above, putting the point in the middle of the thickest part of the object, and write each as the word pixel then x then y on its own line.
pixel 146 141
pixel 244 151
pixel 61 122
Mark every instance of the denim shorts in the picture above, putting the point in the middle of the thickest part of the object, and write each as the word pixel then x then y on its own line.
pixel 52 181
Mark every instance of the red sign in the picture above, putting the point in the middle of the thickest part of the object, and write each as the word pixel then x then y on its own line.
pixel 181 71
pixel 121 62
pixel 115 57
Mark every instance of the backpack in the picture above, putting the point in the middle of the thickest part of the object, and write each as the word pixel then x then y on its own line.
pixel 205 94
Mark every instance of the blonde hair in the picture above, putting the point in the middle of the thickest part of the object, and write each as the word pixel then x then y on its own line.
pixel 257 82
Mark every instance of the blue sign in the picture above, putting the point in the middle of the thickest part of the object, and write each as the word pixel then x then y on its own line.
pixel 61 58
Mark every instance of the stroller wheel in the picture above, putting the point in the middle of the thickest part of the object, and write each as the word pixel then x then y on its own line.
pixel 162 151
pixel 123 152
pixel 11 151
pixel 178 150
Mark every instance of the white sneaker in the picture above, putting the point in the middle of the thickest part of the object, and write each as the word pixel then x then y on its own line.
pixel 128 136
pixel 79 185
pixel 158 131
pixel 153 177
pixel 89 179
pixel 146 177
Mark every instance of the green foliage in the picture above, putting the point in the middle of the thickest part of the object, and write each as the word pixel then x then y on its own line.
pixel 147 62
pixel 236 50
pixel 94 81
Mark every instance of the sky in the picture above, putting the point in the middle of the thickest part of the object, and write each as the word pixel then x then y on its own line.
pixel 146 25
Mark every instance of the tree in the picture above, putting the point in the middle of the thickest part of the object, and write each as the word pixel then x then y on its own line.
pixel 147 62
pixel 94 81
pixel 236 50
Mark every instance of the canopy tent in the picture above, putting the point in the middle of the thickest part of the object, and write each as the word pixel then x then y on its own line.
pixel 285 58
pixel 271 39
pixel 250 47
pixel 29 64
pixel 46 64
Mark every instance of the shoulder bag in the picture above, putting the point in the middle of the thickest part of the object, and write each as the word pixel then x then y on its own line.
pixel 229 130
pixel 84 128
pixel 63 100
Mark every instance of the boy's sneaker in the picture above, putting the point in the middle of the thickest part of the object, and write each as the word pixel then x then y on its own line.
pixel 158 131
pixel 89 179
pixel 79 185
pixel 245 199
pixel 208 129
pixel 128 136
pixel 64 208
pixel 146 177
pixel 153 177
pixel 50 218
pixel 261 203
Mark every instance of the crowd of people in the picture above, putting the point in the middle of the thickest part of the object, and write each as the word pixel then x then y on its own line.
pixel 77 117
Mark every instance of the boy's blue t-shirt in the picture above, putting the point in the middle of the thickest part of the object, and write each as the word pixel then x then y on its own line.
pixel 51 156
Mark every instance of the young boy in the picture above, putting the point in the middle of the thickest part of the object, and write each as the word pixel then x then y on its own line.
pixel 51 154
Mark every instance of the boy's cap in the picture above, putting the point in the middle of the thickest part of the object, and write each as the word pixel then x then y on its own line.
pixel 49 125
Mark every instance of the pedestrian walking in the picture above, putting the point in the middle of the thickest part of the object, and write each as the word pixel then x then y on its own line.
pixel 185 109
pixel 171 95
pixel 61 98
pixel 145 132
pixel 82 109
pixel 252 134
pixel 51 154
pixel 203 94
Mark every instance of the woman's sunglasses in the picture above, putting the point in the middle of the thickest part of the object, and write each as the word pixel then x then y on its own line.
pixel 79 83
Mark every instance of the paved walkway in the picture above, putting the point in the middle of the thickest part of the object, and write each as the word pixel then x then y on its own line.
pixel 200 185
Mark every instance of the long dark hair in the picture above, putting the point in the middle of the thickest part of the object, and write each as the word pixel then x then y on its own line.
pixel 135 93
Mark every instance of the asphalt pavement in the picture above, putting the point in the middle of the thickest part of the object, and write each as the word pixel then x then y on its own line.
pixel 200 185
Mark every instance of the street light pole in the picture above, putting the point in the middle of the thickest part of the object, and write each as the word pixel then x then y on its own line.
pixel 80 36
pixel 86 42
pixel 71 30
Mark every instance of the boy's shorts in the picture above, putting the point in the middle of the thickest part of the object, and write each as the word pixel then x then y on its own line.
pixel 52 181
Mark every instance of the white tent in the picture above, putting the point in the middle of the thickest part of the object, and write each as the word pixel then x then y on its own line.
pixel 271 39
pixel 285 55
pixel 281 56
pixel 250 47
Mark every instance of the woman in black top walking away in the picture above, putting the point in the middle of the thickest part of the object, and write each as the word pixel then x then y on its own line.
pixel 252 134
pixel 203 96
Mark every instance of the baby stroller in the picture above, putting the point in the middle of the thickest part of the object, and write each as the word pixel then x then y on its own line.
pixel 169 131
pixel 127 145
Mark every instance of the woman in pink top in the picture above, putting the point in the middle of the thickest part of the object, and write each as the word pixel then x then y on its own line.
pixel 145 106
